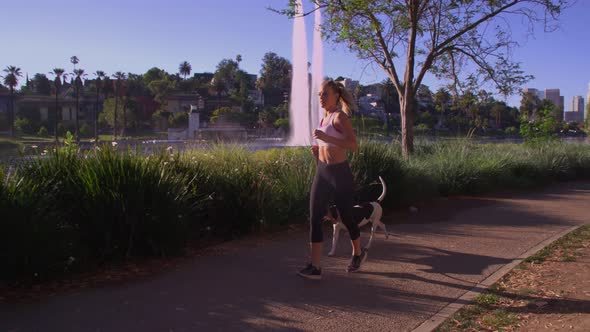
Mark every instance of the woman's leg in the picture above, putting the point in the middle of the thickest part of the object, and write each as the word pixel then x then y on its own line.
pixel 344 204
pixel 318 204
pixel 316 253
pixel 344 190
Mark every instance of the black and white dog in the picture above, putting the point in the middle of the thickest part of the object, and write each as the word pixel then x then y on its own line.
pixel 363 214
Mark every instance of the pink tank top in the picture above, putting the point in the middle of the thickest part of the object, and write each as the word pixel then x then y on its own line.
pixel 330 130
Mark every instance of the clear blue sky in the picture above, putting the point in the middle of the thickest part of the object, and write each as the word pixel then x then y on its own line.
pixel 135 35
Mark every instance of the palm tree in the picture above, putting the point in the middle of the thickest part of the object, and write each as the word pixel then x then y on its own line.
pixel 185 69
pixel 119 76
pixel 59 73
pixel 11 80
pixel 98 83
pixel 78 84
pixel 74 59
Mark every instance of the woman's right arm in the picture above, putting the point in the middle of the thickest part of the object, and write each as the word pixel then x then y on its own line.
pixel 315 150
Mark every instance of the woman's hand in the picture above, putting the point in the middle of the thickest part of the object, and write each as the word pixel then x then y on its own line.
pixel 315 150
pixel 318 134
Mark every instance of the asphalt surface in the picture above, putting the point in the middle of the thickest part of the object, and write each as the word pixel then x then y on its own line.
pixel 432 257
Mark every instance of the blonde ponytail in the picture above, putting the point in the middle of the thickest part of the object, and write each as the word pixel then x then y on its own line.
pixel 345 100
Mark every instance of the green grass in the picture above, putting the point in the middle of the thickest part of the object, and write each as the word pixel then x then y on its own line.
pixel 27 138
pixel 462 320
pixel 499 319
pixel 487 299
pixel 466 319
pixel 568 244
pixel 102 137
pixel 10 148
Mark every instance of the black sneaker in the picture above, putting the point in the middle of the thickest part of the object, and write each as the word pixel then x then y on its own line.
pixel 357 261
pixel 310 272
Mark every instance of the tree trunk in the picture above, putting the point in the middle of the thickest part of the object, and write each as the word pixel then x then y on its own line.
pixel 11 114
pixel 124 118
pixel 408 94
pixel 115 120
pixel 77 115
pixel 56 115
pixel 407 114
pixel 96 117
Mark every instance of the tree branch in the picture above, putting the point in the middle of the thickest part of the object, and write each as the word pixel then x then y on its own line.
pixel 475 25
pixel 392 71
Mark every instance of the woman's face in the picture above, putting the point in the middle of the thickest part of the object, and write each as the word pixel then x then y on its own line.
pixel 328 98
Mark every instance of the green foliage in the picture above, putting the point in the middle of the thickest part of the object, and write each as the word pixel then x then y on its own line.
pixel 64 212
pixel 24 126
pixel 511 131
pixel 225 77
pixel 161 87
pixel 11 77
pixel 178 120
pixel 268 117
pixel 43 132
pixel 390 98
pixel 39 84
pixel 61 129
pixel 275 78
pixel 282 123
pixel 366 125
pixel 154 74
pixel 228 115
pixel 86 131
pixel 422 128
pixel 185 69
pixel 542 127
pixel 426 119
pixel 126 106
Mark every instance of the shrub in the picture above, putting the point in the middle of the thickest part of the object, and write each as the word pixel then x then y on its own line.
pixel 43 132
pixel 85 130
pixel 65 212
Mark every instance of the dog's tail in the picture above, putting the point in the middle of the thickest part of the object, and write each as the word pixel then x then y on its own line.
pixel 380 199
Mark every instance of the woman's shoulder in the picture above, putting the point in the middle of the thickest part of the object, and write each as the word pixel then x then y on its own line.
pixel 341 116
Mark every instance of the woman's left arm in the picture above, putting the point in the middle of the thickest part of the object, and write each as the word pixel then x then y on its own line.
pixel 342 123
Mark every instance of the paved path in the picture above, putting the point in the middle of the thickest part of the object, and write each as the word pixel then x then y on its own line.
pixel 434 257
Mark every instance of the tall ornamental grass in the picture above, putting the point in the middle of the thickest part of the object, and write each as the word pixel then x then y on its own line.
pixel 69 210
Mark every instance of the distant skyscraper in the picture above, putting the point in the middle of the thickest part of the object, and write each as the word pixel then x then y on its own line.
pixel 577 113
pixel 554 96
pixel 578 104
pixel 540 94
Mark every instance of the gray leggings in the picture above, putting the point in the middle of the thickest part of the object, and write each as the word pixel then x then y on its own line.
pixel 332 180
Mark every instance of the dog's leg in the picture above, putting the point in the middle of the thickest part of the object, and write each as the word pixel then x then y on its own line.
pixel 382 226
pixel 377 219
pixel 373 227
pixel 335 236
